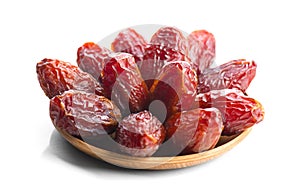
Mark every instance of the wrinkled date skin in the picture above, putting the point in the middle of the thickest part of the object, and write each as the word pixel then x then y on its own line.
pixel 234 74
pixel 175 86
pixel 155 57
pixel 202 49
pixel 84 114
pixel 170 37
pixel 91 58
pixel 195 130
pixel 123 83
pixel 56 77
pixel 140 134
pixel 131 42
pixel 239 111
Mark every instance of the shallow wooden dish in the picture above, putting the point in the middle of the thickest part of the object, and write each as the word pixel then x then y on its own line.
pixel 156 163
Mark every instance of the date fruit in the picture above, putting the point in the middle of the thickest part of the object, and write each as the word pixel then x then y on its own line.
pixel 234 74
pixel 140 134
pixel 155 57
pixel 202 49
pixel 172 99
pixel 91 58
pixel 195 130
pixel 170 37
pixel 131 42
pixel 123 83
pixel 175 86
pixel 239 112
pixel 84 114
pixel 56 77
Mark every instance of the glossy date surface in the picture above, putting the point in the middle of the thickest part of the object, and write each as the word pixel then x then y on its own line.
pixel 140 134
pixel 130 41
pixel 84 114
pixel 122 83
pixel 202 49
pixel 91 58
pixel 56 77
pixel 195 130
pixel 236 74
pixel 155 57
pixel 239 112
pixel 170 37
pixel 175 86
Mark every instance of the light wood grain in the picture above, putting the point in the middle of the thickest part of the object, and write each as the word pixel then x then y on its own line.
pixel 155 163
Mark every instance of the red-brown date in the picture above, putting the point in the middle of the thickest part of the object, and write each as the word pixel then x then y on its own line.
pixel 56 77
pixel 175 86
pixel 202 49
pixel 123 83
pixel 170 37
pixel 131 42
pixel 234 74
pixel 239 111
pixel 194 131
pixel 155 57
pixel 91 58
pixel 140 134
pixel 84 114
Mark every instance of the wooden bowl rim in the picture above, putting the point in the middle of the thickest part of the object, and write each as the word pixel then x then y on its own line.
pixel 153 163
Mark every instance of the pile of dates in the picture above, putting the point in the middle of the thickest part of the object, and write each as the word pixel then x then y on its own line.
pixel 156 98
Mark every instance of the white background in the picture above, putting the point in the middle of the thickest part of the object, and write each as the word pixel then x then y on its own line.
pixel 35 157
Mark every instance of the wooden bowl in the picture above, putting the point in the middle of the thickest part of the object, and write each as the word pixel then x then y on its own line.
pixel 156 163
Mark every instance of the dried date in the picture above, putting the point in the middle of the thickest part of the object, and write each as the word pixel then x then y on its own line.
pixel 194 131
pixel 56 76
pixel 234 74
pixel 155 57
pixel 170 37
pixel 84 114
pixel 202 49
pixel 239 112
pixel 131 42
pixel 140 134
pixel 123 83
pixel 91 58
pixel 175 86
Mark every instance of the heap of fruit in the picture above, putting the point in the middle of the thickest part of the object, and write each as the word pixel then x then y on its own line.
pixel 110 93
